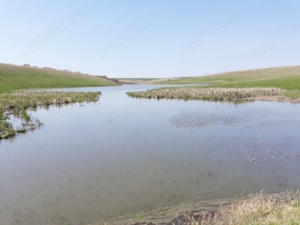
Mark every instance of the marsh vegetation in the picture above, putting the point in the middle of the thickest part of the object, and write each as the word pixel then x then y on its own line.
pixel 257 209
pixel 211 94
pixel 260 209
pixel 17 104
pixel 279 83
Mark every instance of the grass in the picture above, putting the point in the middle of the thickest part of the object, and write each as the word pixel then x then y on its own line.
pixel 21 77
pixel 6 128
pixel 211 94
pixel 143 79
pixel 232 86
pixel 258 210
pixel 287 78
pixel 17 104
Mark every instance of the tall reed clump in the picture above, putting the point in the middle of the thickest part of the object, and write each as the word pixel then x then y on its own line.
pixel 212 94
pixel 17 104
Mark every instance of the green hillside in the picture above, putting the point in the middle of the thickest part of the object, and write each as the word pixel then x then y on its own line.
pixel 21 77
pixel 282 77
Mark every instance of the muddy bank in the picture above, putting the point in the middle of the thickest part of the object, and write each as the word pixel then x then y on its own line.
pixel 274 99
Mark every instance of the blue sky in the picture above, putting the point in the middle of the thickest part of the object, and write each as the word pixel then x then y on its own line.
pixel 154 38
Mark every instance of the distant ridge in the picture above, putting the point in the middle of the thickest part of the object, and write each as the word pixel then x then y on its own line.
pixel 14 77
pixel 287 77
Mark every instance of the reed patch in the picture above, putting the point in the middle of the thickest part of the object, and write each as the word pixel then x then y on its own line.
pixel 211 94
pixel 17 105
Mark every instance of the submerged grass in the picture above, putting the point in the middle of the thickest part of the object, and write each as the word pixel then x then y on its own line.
pixel 212 94
pixel 17 104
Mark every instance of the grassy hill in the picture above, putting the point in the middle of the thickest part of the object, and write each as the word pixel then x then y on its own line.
pixel 144 79
pixel 21 77
pixel 287 78
pixel 136 80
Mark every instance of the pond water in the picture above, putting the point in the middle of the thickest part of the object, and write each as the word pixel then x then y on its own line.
pixel 120 155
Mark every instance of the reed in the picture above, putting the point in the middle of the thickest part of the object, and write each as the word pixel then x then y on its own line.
pixel 212 94
pixel 17 104
pixel 259 210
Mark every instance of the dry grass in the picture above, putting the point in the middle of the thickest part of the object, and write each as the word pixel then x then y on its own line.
pixel 24 100
pixel 259 210
pixel 212 94
pixel 18 104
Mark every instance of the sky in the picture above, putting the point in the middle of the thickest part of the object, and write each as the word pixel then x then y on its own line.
pixel 150 38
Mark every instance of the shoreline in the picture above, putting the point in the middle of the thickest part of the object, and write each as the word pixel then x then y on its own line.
pixel 276 99
pixel 165 214
pixel 17 105
pixel 207 211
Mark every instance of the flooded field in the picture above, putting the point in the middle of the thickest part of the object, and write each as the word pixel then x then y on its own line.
pixel 90 162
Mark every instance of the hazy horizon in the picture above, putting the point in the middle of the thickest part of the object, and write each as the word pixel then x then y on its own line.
pixel 150 39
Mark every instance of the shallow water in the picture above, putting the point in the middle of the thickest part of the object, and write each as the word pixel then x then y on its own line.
pixel 120 155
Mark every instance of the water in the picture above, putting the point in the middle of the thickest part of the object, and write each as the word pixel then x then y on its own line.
pixel 120 155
